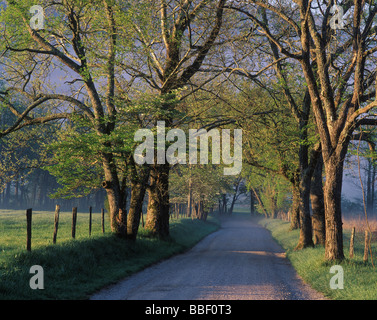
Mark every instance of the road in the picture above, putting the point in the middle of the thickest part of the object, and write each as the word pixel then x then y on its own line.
pixel 239 261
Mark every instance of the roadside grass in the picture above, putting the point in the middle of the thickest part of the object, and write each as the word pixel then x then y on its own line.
pixel 75 269
pixel 360 279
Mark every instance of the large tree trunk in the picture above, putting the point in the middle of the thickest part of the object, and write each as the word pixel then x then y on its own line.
pixel 138 189
pixel 316 197
pixel 158 204
pixel 332 201
pixel 306 234
pixel 115 196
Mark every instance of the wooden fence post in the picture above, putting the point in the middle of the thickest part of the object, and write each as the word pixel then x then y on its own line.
pixel 90 221
pixel 103 220
pixel 352 241
pixel 366 246
pixel 74 219
pixel 28 229
pixel 56 223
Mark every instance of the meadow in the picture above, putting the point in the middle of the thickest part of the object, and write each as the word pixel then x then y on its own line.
pixel 76 268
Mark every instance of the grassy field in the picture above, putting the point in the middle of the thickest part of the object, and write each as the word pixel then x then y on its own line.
pixel 74 269
pixel 360 279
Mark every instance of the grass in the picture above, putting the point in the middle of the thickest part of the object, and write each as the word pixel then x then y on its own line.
pixel 360 279
pixel 74 269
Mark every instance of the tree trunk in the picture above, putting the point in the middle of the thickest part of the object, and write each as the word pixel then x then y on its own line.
pixel 306 234
pixel 332 201
pixel 200 209
pixel 316 197
pixel 295 210
pixel 158 204
pixel 16 200
pixel 232 204
pixel 252 203
pixel 139 184
pixel 189 199
pixel 115 196
pixel 225 206
pixel 274 206
pixel 135 210
pixel 7 196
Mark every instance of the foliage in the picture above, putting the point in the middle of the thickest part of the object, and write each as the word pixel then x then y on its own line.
pixel 76 156
pixel 207 182
pixel 23 152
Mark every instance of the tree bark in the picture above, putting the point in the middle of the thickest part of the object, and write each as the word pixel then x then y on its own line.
pixel 115 196
pixel 138 189
pixel 306 234
pixel 295 210
pixel 332 202
pixel 158 203
pixel 316 197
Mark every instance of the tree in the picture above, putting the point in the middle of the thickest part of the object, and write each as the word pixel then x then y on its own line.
pixel 74 41
pixel 279 78
pixel 339 75
pixel 167 56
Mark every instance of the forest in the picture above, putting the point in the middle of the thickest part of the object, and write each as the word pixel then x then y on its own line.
pixel 79 79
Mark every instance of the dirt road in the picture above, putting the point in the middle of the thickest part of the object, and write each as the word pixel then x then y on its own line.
pixel 239 261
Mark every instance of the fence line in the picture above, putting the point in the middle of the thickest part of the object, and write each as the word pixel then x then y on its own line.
pixel 56 223
pixel 28 228
pixel 29 213
pixel 74 220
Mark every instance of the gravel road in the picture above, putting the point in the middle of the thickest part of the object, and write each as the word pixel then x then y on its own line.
pixel 239 261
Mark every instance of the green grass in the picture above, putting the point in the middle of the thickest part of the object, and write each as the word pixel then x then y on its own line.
pixel 360 279
pixel 74 269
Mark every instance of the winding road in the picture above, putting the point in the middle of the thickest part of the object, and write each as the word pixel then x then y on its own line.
pixel 239 261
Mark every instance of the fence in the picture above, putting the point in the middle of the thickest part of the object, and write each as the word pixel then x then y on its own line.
pixel 360 232
pixel 29 213
pixel 368 237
